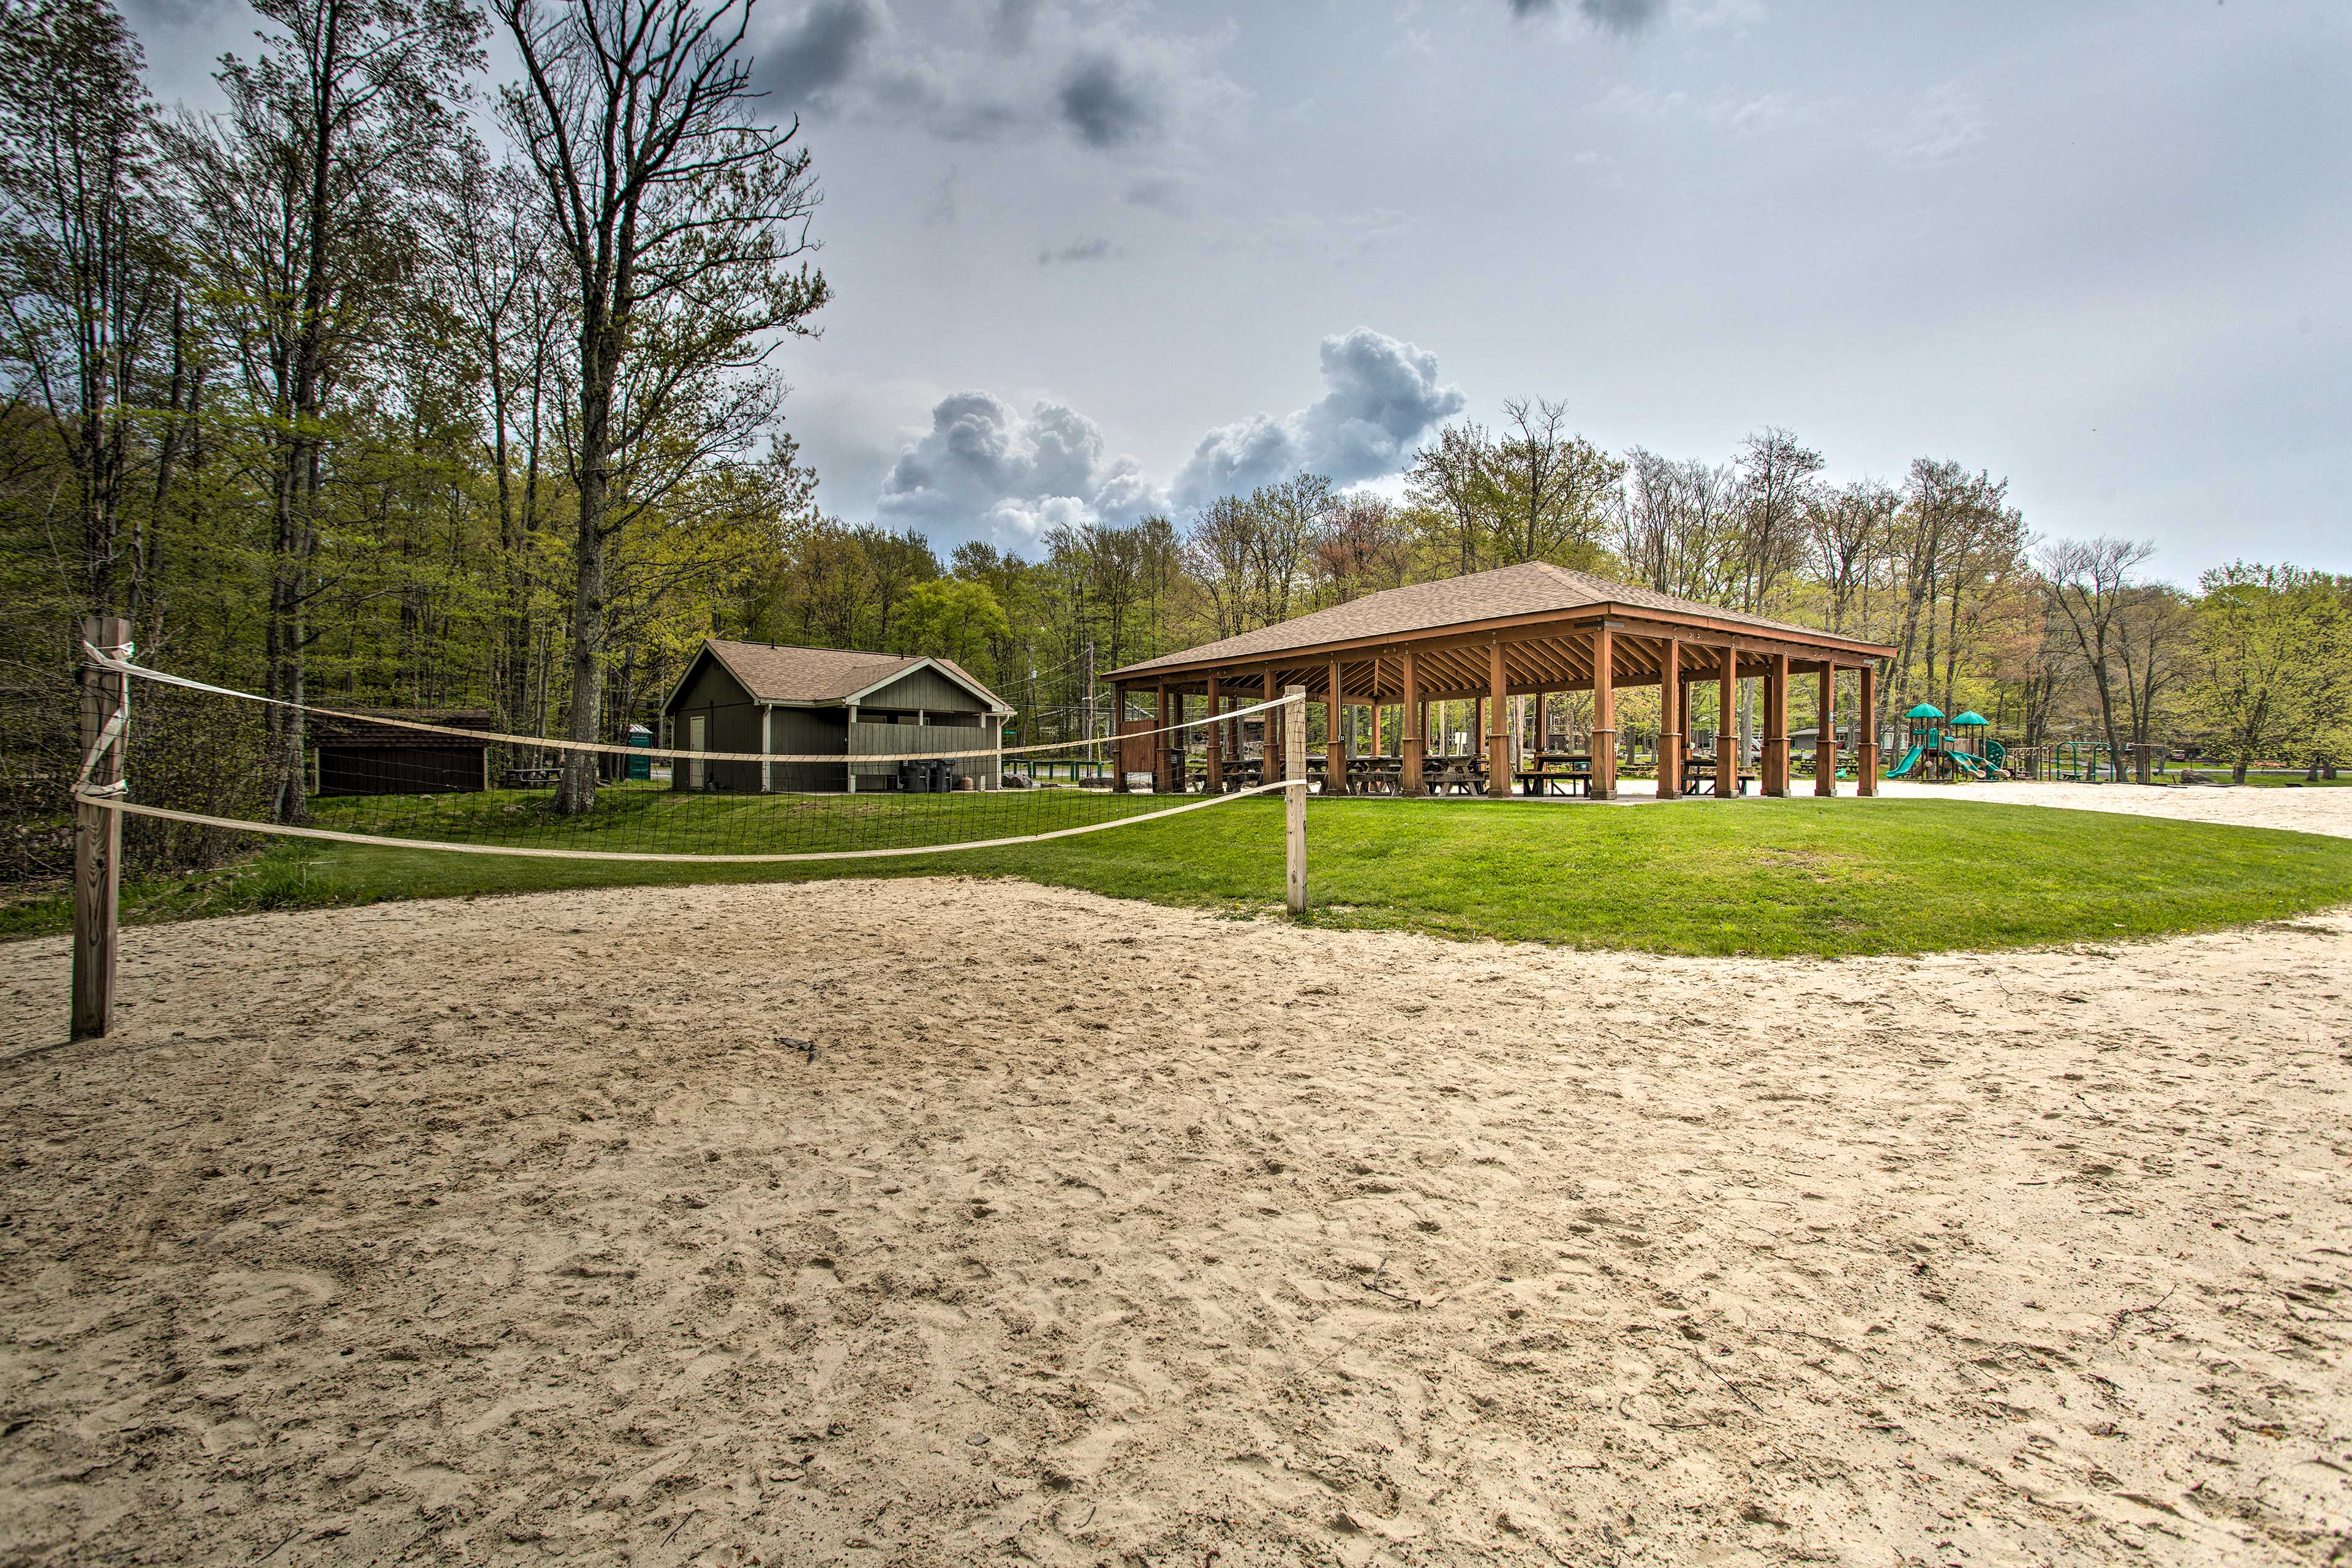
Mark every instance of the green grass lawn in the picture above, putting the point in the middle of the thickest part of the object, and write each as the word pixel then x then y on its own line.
pixel 1796 876
pixel 2279 779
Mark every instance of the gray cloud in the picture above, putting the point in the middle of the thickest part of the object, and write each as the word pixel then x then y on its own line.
pixel 1000 70
pixel 1168 194
pixel 823 50
pixel 985 469
pixel 1014 22
pixel 1078 250
pixel 1383 398
pixel 1621 17
pixel 1106 103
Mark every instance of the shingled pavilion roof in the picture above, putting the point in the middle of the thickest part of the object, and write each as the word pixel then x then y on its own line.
pixel 1523 607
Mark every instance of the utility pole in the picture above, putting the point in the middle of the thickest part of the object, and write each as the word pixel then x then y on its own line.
pixel 1092 754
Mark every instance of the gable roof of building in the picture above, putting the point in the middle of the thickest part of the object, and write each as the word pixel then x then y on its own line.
pixel 1530 588
pixel 353 728
pixel 821 677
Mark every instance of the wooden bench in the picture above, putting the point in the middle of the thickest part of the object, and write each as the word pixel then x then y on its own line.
pixel 1693 779
pixel 1540 780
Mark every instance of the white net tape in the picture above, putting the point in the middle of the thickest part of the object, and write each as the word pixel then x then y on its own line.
pixel 647 822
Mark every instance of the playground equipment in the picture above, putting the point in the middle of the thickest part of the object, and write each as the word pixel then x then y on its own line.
pixel 2073 761
pixel 1950 749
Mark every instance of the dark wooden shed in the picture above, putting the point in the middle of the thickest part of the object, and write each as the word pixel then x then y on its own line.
pixel 358 756
pixel 834 702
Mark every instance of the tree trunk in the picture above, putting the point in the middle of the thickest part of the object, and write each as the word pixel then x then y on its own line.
pixel 578 795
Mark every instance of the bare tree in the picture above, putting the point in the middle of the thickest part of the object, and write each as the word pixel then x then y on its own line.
pixel 2091 585
pixel 2155 636
pixel 84 270
pixel 679 212
pixel 1218 551
pixel 508 304
pixel 1365 549
pixel 1548 487
pixel 1291 517
pixel 1676 525
pixel 1847 529
pixel 1776 489
pixel 1453 483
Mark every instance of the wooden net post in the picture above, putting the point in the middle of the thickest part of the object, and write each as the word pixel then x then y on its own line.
pixel 1294 798
pixel 98 831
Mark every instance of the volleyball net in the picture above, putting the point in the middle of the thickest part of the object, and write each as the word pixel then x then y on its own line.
pixel 198 769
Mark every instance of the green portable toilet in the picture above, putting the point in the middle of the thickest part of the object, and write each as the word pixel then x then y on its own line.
pixel 641 767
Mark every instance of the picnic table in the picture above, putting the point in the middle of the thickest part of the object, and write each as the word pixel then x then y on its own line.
pixel 1547 781
pixel 1556 773
pixel 531 778
pixel 1698 771
pixel 1453 776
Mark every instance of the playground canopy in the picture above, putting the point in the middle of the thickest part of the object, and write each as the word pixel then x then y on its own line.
pixel 1525 630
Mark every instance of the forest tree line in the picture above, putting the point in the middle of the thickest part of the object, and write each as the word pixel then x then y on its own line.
pixel 336 402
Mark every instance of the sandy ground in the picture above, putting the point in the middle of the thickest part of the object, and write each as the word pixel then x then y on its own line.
pixel 519 1230
pixel 2316 810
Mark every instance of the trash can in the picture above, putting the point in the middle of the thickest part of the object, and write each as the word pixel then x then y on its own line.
pixel 914 778
pixel 942 776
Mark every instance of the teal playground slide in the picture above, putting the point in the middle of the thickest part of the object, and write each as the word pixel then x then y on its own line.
pixel 1970 763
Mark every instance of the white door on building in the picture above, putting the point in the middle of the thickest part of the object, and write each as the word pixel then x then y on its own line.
pixel 694 742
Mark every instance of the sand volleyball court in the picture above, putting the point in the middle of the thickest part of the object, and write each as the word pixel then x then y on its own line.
pixel 519 1230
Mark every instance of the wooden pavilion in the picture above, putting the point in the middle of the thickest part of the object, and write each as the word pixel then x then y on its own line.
pixel 1525 630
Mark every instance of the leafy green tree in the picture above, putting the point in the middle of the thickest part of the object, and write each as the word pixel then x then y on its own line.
pixel 2275 646
pixel 950 617
pixel 305 197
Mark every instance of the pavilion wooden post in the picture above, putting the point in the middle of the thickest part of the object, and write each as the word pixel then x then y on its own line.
pixel 1416 728
pixel 1670 724
pixel 1159 746
pixel 1604 712
pixel 1375 737
pixel 1726 728
pixel 1865 732
pixel 1117 752
pixel 1498 735
pixel 1334 736
pixel 1776 727
pixel 98 832
pixel 1272 727
pixel 1825 746
pixel 1216 738
pixel 1294 802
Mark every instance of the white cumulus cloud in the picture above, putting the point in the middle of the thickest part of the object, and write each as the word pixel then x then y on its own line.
pixel 1383 398
pixel 986 469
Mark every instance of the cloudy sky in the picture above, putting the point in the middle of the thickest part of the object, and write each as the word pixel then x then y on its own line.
pixel 1096 257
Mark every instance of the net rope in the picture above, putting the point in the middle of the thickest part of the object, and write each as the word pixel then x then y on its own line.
pixel 205 766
